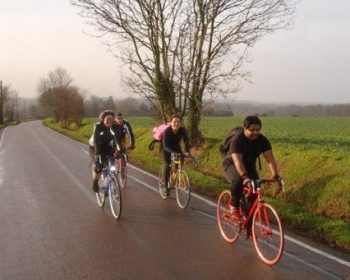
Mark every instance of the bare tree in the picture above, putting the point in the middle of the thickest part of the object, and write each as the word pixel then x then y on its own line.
pixel 60 98
pixel 5 96
pixel 180 50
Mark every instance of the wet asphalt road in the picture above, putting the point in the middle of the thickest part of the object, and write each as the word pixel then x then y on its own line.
pixel 52 228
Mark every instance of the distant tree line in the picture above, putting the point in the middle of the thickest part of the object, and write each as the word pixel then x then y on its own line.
pixel 128 106
pixel 60 99
pixel 212 108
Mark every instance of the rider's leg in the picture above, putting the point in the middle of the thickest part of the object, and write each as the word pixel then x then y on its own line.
pixel 96 173
pixel 233 177
pixel 166 166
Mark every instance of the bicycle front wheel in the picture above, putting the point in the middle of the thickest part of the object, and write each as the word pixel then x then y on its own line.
pixel 122 171
pixel 100 195
pixel 268 234
pixel 183 189
pixel 229 227
pixel 115 198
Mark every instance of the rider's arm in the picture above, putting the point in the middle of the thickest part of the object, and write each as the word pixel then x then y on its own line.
pixel 97 140
pixel 130 133
pixel 238 162
pixel 268 155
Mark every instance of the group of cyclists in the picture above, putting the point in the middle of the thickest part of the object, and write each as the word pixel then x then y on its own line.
pixel 108 141
pixel 239 165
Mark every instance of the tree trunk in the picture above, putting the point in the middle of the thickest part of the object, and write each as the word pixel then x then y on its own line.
pixel 165 93
pixel 194 118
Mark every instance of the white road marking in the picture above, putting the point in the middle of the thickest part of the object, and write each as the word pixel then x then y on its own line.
pixel 287 237
pixel 2 137
pixel 76 181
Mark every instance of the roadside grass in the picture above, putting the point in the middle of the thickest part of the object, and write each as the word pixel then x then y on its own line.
pixel 313 163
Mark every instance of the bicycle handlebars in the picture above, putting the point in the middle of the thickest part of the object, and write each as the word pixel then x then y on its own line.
pixel 259 182
pixel 178 156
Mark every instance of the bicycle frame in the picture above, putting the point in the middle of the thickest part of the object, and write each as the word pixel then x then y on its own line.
pixel 178 179
pixel 257 220
pixel 123 156
pixel 248 216
pixel 108 171
pixel 176 163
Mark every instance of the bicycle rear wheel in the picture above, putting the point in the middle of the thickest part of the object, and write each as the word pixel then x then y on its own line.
pixel 229 228
pixel 268 242
pixel 162 190
pixel 100 195
pixel 183 189
pixel 115 198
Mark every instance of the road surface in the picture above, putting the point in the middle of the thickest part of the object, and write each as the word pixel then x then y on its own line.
pixel 52 228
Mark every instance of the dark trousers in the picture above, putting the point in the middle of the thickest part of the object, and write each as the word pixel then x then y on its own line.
pixel 166 157
pixel 236 181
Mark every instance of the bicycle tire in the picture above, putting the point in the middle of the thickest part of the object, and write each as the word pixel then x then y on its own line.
pixel 115 198
pixel 268 242
pixel 123 171
pixel 162 190
pixel 229 228
pixel 183 189
pixel 100 195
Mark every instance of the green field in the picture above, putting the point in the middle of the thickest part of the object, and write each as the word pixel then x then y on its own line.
pixel 312 154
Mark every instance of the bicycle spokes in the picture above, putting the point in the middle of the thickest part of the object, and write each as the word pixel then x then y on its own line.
pixel 268 234
pixel 183 189
pixel 229 227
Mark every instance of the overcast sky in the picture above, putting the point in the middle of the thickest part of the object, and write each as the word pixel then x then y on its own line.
pixel 310 63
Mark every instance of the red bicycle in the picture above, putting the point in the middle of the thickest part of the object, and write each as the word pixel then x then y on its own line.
pixel 257 216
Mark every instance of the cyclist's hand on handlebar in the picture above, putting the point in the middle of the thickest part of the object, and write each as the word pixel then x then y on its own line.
pixel 176 156
pixel 278 179
pixel 246 180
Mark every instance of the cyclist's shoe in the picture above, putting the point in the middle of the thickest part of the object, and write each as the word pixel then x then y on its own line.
pixel 165 191
pixel 235 213
pixel 95 186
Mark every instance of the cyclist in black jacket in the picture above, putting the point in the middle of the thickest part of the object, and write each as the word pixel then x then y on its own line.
pixel 105 144
pixel 123 129
pixel 172 137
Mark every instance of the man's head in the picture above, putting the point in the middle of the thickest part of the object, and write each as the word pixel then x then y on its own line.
pixel 119 119
pixel 252 126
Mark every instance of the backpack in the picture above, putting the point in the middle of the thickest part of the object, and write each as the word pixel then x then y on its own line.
pixel 157 133
pixel 225 144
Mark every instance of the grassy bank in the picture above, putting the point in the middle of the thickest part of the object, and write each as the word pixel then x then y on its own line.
pixel 312 154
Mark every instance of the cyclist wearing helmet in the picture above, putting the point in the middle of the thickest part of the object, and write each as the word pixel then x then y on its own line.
pixel 105 143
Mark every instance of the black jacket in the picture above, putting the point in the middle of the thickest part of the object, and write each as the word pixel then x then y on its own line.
pixel 122 130
pixel 104 140
pixel 171 141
